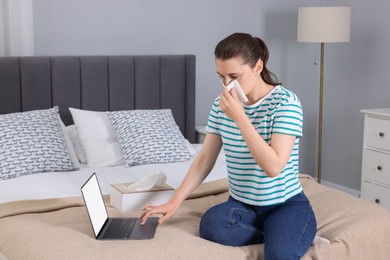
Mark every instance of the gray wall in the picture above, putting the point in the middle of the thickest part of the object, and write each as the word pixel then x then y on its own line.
pixel 355 72
pixel 145 27
pixel 357 76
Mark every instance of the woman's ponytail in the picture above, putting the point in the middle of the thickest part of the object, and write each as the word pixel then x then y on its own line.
pixel 249 49
pixel 268 76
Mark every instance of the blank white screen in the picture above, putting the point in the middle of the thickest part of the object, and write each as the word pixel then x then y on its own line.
pixel 95 204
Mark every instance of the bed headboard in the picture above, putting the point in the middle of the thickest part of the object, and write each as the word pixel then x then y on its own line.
pixel 101 83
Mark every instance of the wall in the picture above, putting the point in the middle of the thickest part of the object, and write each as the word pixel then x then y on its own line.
pixel 88 27
pixel 357 76
pixel 355 72
pixel 293 63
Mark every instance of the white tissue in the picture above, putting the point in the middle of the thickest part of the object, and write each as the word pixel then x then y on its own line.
pixel 155 180
pixel 237 87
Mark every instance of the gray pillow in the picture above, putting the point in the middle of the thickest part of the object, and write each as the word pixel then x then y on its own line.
pixel 149 136
pixel 32 142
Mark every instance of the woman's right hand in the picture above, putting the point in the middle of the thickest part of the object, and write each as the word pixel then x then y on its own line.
pixel 199 169
pixel 167 211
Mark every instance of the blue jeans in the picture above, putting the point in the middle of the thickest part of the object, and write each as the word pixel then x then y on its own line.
pixel 287 230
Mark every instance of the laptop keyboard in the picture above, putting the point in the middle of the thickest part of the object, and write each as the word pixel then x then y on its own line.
pixel 120 228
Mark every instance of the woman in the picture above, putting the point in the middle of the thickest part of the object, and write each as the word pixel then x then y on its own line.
pixel 261 143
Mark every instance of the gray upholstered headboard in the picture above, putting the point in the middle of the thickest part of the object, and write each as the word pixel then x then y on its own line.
pixel 101 83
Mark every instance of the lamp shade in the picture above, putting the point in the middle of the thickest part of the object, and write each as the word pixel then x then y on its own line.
pixel 324 24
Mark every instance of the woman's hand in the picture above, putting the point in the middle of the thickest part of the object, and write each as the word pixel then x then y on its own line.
pixel 167 211
pixel 230 105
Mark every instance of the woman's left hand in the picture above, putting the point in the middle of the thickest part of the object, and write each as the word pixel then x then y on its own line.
pixel 230 105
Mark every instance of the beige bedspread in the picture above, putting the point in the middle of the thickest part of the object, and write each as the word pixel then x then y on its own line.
pixel 60 229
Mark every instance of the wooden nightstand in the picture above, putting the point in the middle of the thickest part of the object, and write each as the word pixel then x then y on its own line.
pixel 376 156
pixel 200 133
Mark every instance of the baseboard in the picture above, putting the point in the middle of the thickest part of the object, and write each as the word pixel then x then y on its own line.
pixel 353 192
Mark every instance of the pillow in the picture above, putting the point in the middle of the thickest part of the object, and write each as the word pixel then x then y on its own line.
pixel 190 147
pixel 149 136
pixel 71 131
pixel 32 142
pixel 97 138
pixel 69 144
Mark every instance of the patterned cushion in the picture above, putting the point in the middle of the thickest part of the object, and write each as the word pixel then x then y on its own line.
pixel 149 136
pixel 32 142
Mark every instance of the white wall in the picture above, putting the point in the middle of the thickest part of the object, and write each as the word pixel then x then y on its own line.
pixel 355 73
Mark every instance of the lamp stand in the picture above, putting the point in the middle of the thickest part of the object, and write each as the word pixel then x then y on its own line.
pixel 320 25
pixel 319 154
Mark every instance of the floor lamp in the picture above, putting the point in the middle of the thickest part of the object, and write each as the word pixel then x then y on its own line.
pixel 323 25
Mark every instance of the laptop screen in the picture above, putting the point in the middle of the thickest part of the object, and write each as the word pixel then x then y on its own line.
pixel 95 204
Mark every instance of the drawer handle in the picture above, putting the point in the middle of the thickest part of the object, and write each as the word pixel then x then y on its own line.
pixel 377 201
pixel 379 168
pixel 381 134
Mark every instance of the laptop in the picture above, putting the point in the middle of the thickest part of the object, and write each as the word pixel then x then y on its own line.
pixel 112 228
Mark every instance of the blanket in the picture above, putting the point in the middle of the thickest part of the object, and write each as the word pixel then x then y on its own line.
pixel 60 229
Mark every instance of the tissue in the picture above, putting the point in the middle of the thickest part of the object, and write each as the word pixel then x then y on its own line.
pixel 155 180
pixel 237 87
pixel 151 189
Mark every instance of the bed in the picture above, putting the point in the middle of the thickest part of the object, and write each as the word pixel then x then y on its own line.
pixel 42 215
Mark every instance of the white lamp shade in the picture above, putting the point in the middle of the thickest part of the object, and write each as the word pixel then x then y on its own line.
pixel 324 24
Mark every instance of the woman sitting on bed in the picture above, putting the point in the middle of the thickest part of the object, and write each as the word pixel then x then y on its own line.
pixel 261 142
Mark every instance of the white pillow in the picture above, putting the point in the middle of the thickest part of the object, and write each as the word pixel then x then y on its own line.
pixel 69 144
pixel 97 138
pixel 71 131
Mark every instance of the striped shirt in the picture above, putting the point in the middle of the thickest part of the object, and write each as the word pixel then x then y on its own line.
pixel 279 112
